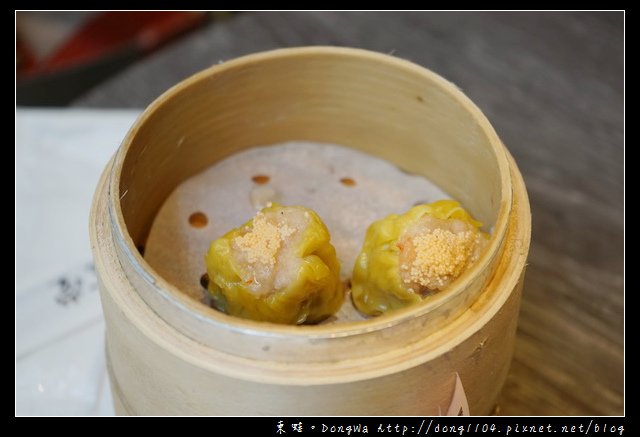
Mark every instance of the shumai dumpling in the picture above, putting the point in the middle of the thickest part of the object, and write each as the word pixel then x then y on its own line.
pixel 278 267
pixel 416 254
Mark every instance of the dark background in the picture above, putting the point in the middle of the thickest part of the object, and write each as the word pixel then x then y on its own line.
pixel 552 84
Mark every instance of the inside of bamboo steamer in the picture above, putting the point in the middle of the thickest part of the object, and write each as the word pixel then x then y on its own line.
pixel 370 102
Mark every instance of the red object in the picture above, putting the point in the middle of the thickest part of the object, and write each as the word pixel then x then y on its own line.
pixel 25 60
pixel 110 32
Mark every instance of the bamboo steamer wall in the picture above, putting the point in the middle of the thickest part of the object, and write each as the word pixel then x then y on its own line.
pixel 169 354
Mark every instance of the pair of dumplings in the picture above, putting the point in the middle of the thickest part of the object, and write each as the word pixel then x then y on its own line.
pixel 281 267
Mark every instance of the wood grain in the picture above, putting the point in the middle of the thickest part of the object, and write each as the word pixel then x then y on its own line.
pixel 552 85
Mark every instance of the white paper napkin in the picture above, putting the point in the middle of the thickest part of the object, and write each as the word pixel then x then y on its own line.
pixel 60 154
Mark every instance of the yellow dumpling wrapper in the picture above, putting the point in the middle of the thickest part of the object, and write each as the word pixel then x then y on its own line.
pixel 279 267
pixel 381 281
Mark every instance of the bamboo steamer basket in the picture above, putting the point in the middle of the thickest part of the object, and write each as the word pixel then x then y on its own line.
pixel 170 354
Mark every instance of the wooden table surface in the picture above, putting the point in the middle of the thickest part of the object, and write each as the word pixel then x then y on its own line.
pixel 552 85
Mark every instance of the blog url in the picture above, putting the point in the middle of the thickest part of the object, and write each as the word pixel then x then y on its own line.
pixel 433 427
